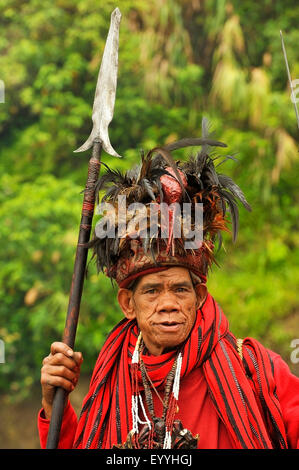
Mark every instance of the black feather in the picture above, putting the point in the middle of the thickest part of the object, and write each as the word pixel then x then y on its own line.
pixel 227 183
pixel 147 186
pixel 209 175
pixel 233 209
pixel 225 158
pixel 169 160
pixel 193 142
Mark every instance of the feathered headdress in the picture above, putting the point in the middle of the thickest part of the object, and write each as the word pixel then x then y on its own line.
pixel 130 250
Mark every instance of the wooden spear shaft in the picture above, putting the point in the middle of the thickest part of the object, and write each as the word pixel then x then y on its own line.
pixel 76 286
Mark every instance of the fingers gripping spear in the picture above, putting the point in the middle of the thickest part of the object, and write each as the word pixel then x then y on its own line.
pixel 102 115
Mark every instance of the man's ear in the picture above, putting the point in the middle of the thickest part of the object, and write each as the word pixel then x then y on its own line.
pixel 125 300
pixel 201 293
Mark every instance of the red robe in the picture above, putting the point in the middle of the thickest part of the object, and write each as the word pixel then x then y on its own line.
pixel 197 411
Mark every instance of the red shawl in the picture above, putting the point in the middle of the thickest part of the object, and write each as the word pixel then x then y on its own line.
pixel 243 392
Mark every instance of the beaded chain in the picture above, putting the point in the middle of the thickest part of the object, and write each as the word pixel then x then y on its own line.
pixel 169 402
pixel 165 432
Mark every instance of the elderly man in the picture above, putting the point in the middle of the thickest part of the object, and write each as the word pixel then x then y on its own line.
pixel 171 374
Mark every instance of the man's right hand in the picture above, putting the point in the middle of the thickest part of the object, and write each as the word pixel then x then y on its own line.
pixel 60 369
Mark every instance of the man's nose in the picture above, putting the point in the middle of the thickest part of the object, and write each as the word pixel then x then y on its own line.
pixel 167 302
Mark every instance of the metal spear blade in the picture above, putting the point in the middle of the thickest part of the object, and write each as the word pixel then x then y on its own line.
pixel 103 106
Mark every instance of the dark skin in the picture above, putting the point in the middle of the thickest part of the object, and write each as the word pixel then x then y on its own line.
pixel 60 369
pixel 164 305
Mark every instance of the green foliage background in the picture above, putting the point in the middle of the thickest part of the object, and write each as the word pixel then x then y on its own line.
pixel 178 60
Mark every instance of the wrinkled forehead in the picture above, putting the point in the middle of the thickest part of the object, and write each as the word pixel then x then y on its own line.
pixel 169 276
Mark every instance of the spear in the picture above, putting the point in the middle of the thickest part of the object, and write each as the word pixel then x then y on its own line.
pixel 98 139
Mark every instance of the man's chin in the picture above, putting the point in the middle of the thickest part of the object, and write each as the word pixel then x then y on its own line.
pixel 171 344
pixel 168 349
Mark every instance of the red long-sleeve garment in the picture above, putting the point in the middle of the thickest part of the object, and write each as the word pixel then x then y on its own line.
pixel 197 412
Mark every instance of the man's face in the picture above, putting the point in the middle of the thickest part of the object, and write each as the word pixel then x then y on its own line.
pixel 164 305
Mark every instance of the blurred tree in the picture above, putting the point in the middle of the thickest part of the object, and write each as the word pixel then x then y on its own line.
pixel 40 222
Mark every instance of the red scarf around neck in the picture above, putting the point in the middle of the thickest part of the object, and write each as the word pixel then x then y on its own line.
pixel 243 392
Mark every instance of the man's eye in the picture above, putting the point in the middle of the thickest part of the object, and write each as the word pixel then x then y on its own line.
pixel 181 289
pixel 151 291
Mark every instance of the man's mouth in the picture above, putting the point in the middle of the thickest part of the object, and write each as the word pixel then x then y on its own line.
pixel 169 325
